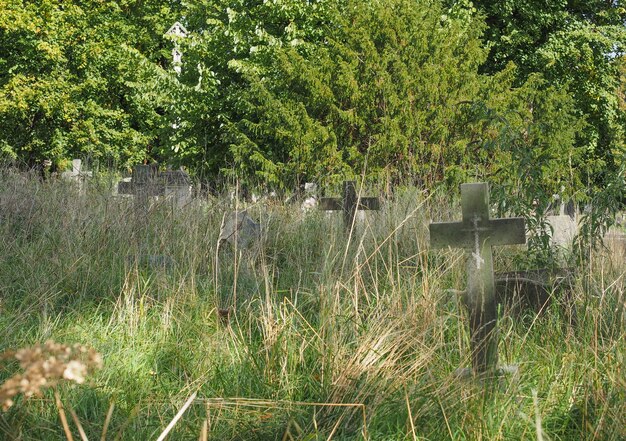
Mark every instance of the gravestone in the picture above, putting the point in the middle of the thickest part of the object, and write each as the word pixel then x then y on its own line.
pixel 349 203
pixel 148 182
pixel 142 186
pixel 478 233
pixel 177 186
pixel 239 230
pixel 77 175
pixel 564 229
pixel 563 222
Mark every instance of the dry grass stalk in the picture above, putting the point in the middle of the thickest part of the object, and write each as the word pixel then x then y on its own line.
pixel 204 431
pixel 66 427
pixel 79 426
pixel 107 421
pixel 178 416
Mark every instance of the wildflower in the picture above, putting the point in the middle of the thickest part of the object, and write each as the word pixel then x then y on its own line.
pixel 45 366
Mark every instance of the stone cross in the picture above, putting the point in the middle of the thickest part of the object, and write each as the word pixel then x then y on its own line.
pixel 77 174
pixel 177 31
pixel 478 233
pixel 349 203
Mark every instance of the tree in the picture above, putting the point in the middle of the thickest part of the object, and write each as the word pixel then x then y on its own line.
pixel 575 45
pixel 391 90
pixel 375 89
pixel 68 84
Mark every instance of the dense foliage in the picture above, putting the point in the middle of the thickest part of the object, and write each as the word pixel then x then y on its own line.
pixel 69 78
pixel 281 92
pixel 576 45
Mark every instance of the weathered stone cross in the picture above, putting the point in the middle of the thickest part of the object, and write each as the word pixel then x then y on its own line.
pixel 478 234
pixel 349 203
pixel 77 174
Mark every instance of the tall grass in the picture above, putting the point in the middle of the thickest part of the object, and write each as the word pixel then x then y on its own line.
pixel 326 336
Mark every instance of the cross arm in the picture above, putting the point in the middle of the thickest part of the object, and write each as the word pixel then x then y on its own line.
pixel 369 204
pixel 453 234
pixel 508 231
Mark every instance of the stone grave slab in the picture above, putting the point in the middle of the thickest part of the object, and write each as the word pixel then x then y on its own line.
pixel 564 229
pixel 533 291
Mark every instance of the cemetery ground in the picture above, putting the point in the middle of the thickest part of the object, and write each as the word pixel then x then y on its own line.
pixel 309 333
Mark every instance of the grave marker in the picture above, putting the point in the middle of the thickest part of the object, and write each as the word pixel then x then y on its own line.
pixel 177 185
pixel 77 175
pixel 349 203
pixel 239 230
pixel 147 181
pixel 177 31
pixel 141 186
pixel 478 233
pixel 563 230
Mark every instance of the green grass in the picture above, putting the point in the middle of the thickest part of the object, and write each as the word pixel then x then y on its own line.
pixel 328 338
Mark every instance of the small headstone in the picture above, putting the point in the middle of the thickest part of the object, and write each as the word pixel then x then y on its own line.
pixel 478 233
pixel 240 230
pixel 177 185
pixel 142 186
pixel 564 229
pixel 349 203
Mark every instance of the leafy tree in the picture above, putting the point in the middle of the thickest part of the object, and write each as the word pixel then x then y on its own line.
pixel 375 88
pixel 223 37
pixel 390 90
pixel 575 45
pixel 67 83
